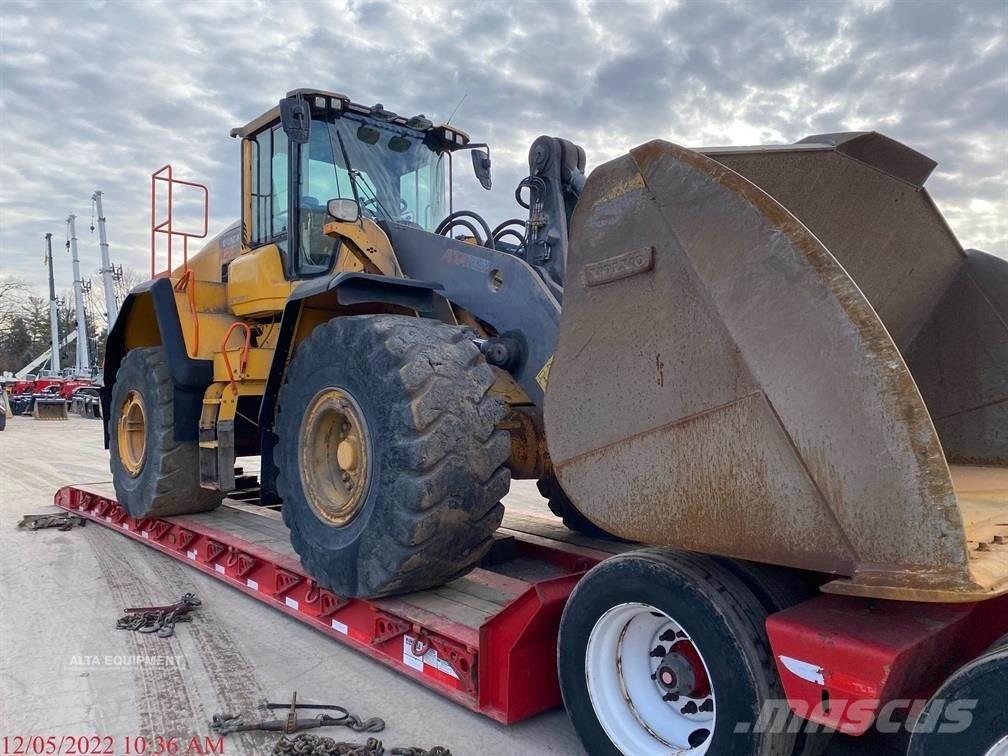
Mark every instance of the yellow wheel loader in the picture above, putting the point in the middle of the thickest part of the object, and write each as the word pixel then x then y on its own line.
pixel 774 354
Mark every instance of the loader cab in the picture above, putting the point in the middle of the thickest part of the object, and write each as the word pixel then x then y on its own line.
pixel 316 147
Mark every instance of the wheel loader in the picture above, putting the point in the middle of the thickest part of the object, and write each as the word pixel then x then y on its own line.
pixel 777 362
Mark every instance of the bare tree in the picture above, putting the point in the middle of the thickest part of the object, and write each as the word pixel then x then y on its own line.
pixel 13 295
pixel 128 279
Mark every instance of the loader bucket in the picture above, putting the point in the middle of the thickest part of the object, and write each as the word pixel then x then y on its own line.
pixel 755 349
pixel 50 409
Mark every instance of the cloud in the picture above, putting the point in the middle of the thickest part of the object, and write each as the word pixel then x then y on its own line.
pixel 96 95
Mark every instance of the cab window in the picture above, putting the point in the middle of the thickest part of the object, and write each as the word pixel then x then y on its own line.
pixel 323 177
pixel 269 186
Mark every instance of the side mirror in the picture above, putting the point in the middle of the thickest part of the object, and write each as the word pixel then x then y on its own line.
pixel 295 118
pixel 346 210
pixel 481 166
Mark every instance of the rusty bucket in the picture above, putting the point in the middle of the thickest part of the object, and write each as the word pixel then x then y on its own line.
pixel 783 354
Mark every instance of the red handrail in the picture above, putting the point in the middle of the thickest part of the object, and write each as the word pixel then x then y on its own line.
pixel 164 174
pixel 244 352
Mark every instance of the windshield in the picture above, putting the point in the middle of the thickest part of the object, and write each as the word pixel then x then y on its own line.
pixel 398 178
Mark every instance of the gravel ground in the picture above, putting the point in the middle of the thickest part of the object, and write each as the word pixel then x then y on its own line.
pixel 66 671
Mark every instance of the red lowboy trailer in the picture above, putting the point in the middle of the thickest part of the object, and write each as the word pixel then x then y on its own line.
pixel 489 641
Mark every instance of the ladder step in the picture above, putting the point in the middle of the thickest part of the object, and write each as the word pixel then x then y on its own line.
pixel 207 444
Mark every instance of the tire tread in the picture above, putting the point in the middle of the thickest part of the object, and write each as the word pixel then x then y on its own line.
pixel 445 496
pixel 173 487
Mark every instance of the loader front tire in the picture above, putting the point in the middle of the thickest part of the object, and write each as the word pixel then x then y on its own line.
pixel 154 475
pixel 390 465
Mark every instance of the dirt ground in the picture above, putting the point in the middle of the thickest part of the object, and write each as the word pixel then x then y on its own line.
pixel 66 670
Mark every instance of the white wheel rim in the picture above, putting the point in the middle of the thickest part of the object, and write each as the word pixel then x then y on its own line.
pixel 1000 748
pixel 640 714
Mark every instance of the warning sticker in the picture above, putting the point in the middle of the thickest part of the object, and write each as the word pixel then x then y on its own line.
pixel 430 658
pixel 445 667
pixel 542 377
pixel 408 657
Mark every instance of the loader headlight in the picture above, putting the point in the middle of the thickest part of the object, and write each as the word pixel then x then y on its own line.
pixel 324 102
pixel 454 138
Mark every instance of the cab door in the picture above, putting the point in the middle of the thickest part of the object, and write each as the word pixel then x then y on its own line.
pixel 259 281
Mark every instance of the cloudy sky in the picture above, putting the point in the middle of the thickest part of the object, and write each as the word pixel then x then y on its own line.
pixel 96 95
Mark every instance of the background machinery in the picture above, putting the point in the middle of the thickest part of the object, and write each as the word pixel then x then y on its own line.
pixel 777 358
pixel 45 405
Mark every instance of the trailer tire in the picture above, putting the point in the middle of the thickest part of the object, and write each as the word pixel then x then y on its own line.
pixel 723 624
pixel 779 588
pixel 978 722
pixel 561 506
pixel 164 479
pixel 426 476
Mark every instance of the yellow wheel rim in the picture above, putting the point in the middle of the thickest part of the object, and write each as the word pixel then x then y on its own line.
pixel 131 433
pixel 333 456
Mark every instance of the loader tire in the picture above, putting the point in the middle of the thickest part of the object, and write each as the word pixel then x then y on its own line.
pixel 662 651
pixel 561 505
pixel 154 475
pixel 423 473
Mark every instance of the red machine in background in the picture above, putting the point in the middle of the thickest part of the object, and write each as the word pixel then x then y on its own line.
pixel 49 395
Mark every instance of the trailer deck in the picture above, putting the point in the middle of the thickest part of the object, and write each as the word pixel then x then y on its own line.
pixel 486 641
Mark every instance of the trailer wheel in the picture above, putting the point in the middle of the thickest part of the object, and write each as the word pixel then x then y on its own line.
pixel 154 475
pixel 778 588
pixel 561 505
pixel 967 714
pixel 391 468
pixel 665 652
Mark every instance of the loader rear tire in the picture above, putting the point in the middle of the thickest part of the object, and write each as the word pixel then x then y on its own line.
pixel 154 475
pixel 424 474
pixel 561 505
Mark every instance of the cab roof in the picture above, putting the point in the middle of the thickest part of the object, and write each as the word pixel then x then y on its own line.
pixel 322 98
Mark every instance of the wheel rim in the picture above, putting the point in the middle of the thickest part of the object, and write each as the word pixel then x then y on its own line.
pixel 334 458
pixel 649 685
pixel 132 433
